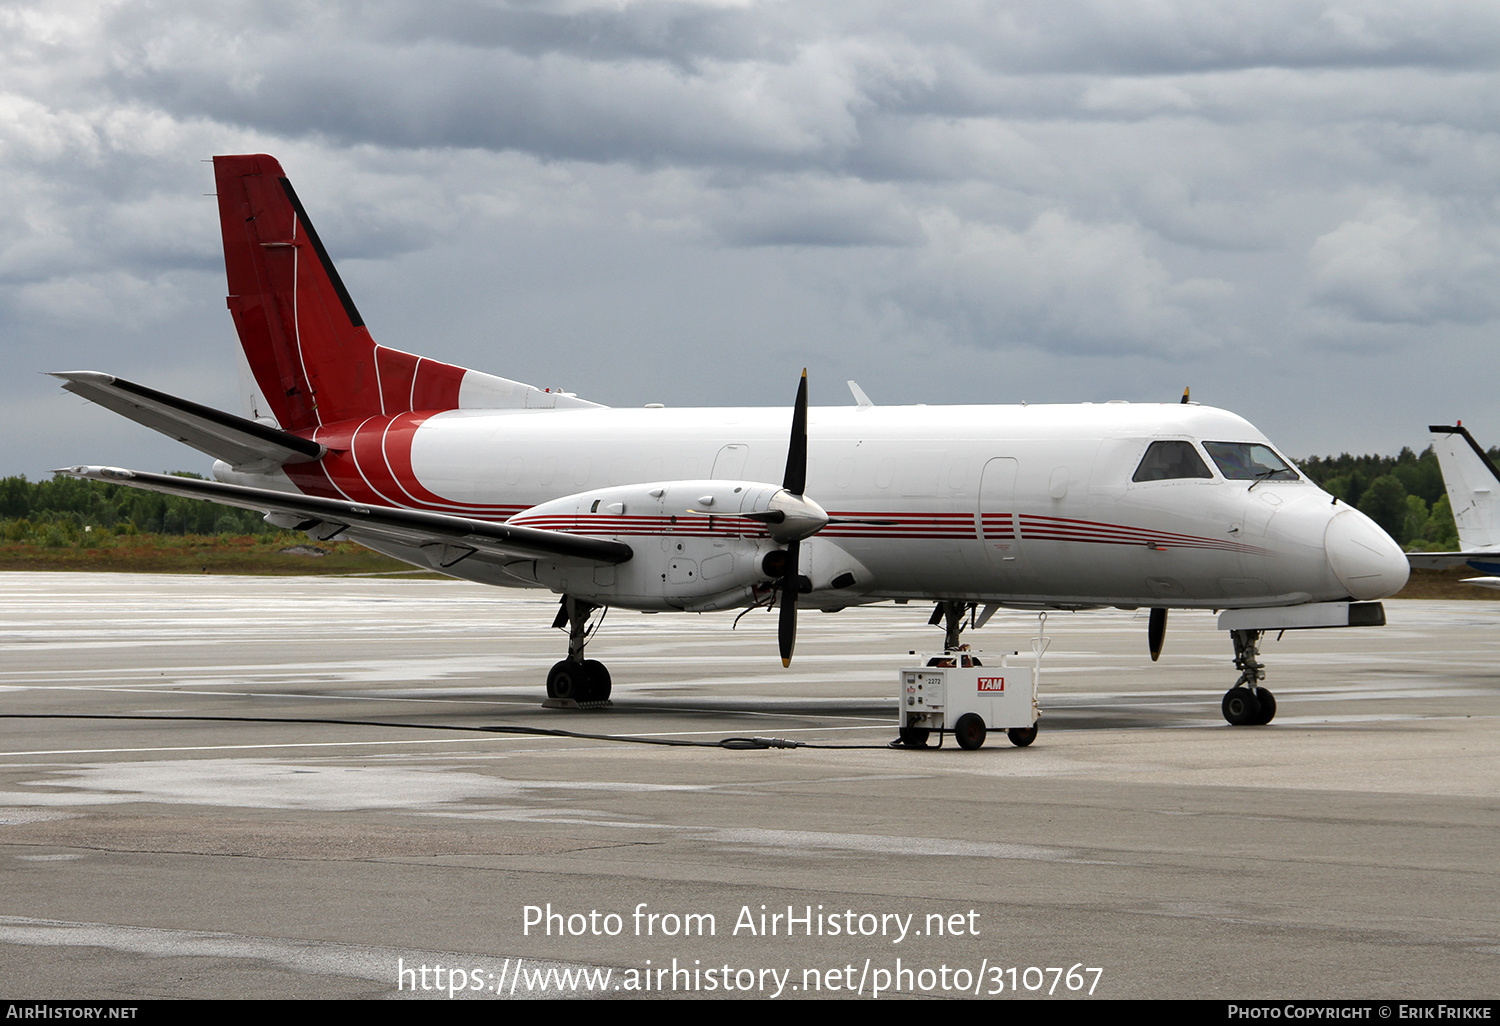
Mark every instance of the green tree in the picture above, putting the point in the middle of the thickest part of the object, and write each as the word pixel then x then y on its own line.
pixel 1444 530
pixel 1418 519
pixel 1385 503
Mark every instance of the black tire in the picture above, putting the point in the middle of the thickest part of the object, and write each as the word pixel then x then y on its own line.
pixel 599 683
pixel 567 681
pixel 1241 708
pixel 1021 736
pixel 915 737
pixel 969 731
pixel 1267 707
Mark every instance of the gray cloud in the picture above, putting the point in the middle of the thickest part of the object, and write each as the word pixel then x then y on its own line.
pixel 1399 262
pixel 980 201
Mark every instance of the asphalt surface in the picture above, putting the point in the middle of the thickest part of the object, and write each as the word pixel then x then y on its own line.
pixel 226 839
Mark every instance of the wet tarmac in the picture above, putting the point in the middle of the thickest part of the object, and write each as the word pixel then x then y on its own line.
pixel 228 837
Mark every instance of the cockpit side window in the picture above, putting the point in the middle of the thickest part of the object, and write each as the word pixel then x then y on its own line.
pixel 1169 460
pixel 1249 461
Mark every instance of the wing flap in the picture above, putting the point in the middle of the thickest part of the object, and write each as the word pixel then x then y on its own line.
pixel 451 535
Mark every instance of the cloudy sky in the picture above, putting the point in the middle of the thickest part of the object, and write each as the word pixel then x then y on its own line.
pixel 1290 206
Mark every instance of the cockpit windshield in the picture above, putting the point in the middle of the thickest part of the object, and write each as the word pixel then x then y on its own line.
pixel 1249 461
pixel 1170 460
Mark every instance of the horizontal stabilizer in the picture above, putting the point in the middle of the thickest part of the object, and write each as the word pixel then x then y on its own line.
pixel 244 444
pixel 403 526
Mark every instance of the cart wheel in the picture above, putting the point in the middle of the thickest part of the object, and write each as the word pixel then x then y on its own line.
pixel 1021 736
pixel 915 737
pixel 969 731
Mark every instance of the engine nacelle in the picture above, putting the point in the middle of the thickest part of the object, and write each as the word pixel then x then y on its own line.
pixel 699 545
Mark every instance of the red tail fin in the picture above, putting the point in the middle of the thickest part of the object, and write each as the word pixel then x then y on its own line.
pixel 307 345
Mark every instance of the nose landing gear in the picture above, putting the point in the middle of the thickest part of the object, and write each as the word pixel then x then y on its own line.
pixel 1247 704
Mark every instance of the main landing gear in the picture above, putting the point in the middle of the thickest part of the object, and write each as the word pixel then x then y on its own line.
pixel 1247 704
pixel 577 680
pixel 951 614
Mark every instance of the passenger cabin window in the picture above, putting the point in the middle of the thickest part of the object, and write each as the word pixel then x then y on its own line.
pixel 1166 461
pixel 1249 461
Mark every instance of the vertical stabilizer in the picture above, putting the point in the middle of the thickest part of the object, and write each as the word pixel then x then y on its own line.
pixel 309 352
pixel 307 346
pixel 1473 486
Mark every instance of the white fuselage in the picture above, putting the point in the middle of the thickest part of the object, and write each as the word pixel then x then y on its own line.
pixel 1013 504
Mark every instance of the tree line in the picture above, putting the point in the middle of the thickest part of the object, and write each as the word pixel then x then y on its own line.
pixel 70 511
pixel 1403 494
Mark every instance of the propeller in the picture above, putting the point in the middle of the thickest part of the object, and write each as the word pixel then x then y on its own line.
pixel 1156 631
pixel 789 517
pixel 794 482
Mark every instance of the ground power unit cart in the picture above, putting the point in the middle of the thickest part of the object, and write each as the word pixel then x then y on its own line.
pixel 956 693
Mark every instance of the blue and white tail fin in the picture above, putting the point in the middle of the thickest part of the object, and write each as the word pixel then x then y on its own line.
pixel 1473 485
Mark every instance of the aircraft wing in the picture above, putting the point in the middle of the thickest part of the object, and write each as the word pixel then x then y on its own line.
pixel 242 443
pixel 446 538
pixel 1484 559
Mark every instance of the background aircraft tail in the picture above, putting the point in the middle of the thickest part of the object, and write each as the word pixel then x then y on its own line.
pixel 1473 486
pixel 306 344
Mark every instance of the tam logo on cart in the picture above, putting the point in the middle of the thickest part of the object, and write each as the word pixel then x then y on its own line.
pixel 992 684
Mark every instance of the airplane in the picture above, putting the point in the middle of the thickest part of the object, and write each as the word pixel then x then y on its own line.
pixel 974 508
pixel 1471 479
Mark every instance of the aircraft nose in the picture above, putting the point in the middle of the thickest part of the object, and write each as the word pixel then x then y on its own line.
pixel 1363 557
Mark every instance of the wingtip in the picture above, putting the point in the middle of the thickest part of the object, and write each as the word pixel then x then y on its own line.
pixel 96 377
pixel 97 473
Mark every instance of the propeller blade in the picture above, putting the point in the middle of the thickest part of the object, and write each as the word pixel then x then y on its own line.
pixel 786 626
pixel 796 453
pixel 1156 631
pixel 795 482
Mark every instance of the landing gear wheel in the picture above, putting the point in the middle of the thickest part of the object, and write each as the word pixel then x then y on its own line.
pixel 568 681
pixel 1021 736
pixel 599 683
pixel 915 737
pixel 1241 707
pixel 1267 706
pixel 969 731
